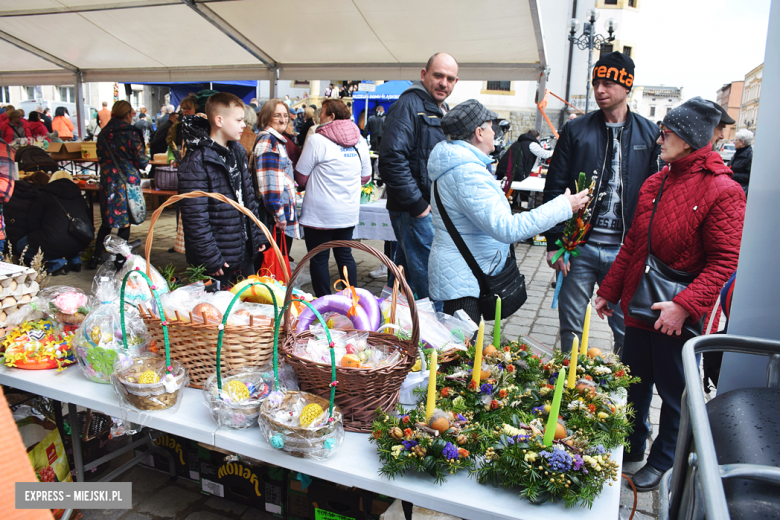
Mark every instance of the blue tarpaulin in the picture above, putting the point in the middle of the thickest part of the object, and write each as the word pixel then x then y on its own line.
pixel 385 94
pixel 246 90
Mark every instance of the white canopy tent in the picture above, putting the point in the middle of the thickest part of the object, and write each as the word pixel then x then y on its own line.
pixel 50 41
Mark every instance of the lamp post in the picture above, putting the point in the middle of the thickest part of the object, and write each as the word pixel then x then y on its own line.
pixel 590 40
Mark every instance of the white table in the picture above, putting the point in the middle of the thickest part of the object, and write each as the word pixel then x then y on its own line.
pixel 374 222
pixel 355 464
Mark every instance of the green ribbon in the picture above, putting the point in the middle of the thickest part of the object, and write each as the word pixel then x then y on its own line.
pixel 574 252
pixel 224 324
pixel 163 319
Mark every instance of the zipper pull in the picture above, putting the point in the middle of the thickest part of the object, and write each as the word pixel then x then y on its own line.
pixel 647 269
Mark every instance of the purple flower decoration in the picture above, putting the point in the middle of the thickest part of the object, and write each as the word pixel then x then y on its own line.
pixel 539 410
pixel 450 452
pixel 578 462
pixel 558 460
pixel 461 418
pixel 500 367
pixel 598 450
pixel 486 388
pixel 408 445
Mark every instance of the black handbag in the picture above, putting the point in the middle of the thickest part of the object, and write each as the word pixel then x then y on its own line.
pixel 77 228
pixel 509 284
pixel 661 283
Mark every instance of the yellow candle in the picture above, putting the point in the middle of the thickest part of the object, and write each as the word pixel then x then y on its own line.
pixel 586 332
pixel 430 406
pixel 476 373
pixel 573 363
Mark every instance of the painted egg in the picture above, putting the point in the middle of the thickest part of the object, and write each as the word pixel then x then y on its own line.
pixel 149 377
pixel 237 390
pixel 309 414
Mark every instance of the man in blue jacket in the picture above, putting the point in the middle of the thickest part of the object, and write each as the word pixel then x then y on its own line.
pixel 619 148
pixel 412 129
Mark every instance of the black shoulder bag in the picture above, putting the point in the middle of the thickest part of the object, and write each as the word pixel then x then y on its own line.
pixel 509 284
pixel 661 283
pixel 77 228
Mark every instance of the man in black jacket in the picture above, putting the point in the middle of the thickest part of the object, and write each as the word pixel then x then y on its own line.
pixel 618 148
pixel 412 129
pixel 216 235
pixel 743 158
pixel 375 127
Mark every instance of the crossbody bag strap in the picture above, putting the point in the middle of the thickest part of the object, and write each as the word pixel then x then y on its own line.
pixel 459 243
pixel 63 207
pixel 655 207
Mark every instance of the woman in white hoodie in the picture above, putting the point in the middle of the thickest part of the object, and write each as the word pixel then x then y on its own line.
pixel 333 165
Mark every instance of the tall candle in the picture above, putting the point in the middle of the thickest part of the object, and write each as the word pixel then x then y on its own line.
pixel 552 421
pixel 476 373
pixel 497 325
pixel 430 405
pixel 586 331
pixel 575 350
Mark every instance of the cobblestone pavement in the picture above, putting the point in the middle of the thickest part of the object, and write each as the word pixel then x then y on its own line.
pixel 536 319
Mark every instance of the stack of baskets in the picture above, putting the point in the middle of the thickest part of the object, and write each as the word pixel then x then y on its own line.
pixel 195 344
pixel 360 391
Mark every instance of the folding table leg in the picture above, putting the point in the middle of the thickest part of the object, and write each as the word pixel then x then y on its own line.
pixel 76 440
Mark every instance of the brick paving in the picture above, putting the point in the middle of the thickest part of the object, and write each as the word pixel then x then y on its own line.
pixel 536 319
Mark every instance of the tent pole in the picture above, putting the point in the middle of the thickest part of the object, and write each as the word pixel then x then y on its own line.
pixel 275 83
pixel 79 81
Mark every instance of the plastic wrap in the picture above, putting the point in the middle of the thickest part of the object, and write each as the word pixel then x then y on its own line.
pixel 281 425
pixel 137 290
pixel 65 305
pixel 146 385
pixel 237 404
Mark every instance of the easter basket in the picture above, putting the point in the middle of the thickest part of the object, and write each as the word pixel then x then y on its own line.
pixel 300 423
pixel 149 382
pixel 235 396
pixel 360 391
pixel 194 343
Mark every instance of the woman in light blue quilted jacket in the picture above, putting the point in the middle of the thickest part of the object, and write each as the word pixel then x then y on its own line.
pixel 478 208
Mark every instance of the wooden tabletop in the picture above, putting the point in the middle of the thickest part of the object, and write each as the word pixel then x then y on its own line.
pixel 146 191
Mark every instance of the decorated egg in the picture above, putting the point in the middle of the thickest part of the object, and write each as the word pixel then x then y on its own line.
pixel 585 388
pixel 351 349
pixel 237 390
pixel 149 377
pixel 484 372
pixel 439 421
pixel 351 361
pixel 560 431
pixel 309 414
pixel 490 350
pixel 209 311
pixel 593 352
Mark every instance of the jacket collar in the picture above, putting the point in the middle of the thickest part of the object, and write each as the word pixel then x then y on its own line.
pixel 702 159
pixel 276 134
pixel 484 158
pixel 430 104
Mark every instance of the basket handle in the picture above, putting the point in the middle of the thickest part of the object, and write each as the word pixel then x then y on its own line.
pixel 415 339
pixel 219 197
pixel 163 321
pixel 333 380
pixel 224 324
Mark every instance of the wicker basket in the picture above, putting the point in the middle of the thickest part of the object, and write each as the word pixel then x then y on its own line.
pixel 360 391
pixel 195 344
pixel 166 177
pixel 162 394
pixel 277 414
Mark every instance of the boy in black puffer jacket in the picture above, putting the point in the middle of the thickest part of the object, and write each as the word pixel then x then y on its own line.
pixel 216 235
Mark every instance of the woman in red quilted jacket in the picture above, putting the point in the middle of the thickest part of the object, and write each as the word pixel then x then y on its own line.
pixel 697 228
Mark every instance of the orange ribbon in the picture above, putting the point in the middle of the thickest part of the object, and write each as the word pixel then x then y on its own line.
pixel 355 298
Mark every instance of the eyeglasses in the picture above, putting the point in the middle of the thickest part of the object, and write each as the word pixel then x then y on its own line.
pixel 664 133
pixel 281 117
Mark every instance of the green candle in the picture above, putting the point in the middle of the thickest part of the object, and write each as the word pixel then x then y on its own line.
pixel 552 421
pixel 497 325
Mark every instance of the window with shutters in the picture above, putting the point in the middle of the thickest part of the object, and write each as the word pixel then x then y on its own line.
pixel 627 50
pixel 497 87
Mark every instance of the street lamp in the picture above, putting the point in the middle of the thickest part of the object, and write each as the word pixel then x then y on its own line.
pixel 590 40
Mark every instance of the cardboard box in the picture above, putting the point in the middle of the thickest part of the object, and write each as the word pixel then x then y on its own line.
pixel 89 150
pixel 185 456
pixel 323 500
pixel 65 151
pixel 246 481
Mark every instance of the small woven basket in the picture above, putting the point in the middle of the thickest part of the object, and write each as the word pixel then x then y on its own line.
pixel 162 394
pixel 195 344
pixel 277 414
pixel 234 415
pixel 360 391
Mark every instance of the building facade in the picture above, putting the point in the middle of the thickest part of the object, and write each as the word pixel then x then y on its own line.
pixel 654 102
pixel 751 92
pixel 730 98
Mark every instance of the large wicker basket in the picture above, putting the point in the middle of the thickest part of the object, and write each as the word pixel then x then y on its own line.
pixel 195 344
pixel 360 391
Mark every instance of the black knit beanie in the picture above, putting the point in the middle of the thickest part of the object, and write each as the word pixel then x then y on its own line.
pixel 616 67
pixel 693 121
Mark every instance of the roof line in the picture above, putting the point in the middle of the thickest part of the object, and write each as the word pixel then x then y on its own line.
pixel 373 31
pixel 38 52
pixel 88 8
pixel 536 18
pixel 231 32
